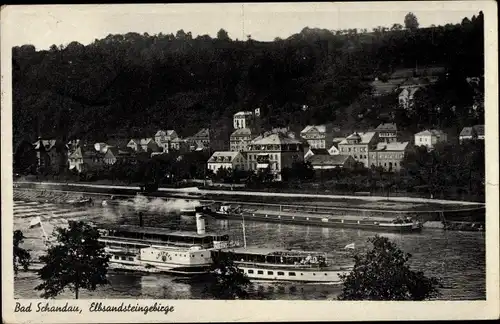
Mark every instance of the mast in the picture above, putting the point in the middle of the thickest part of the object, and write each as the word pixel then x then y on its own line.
pixel 244 233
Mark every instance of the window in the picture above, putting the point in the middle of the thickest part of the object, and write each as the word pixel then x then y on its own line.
pixel 131 259
pixel 116 257
pixel 250 271
pixel 202 255
pixel 123 258
pixel 281 273
pixel 260 272
pixel 291 274
pixel 270 273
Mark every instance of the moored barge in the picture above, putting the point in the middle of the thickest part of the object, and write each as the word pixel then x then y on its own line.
pixel 399 224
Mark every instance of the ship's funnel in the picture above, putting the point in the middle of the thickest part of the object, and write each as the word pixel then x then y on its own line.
pixel 200 221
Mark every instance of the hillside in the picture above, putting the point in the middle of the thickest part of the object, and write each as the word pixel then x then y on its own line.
pixel 132 84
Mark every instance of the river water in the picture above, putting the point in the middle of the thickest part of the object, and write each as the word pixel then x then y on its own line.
pixel 457 258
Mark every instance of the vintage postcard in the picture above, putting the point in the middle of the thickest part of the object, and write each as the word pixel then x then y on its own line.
pixel 250 162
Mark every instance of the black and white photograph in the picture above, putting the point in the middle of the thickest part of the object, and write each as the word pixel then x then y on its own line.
pixel 327 152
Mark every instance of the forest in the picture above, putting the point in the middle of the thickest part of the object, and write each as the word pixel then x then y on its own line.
pixel 134 84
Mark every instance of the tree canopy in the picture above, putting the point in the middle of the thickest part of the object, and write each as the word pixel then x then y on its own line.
pixel 131 85
pixel 383 273
pixel 411 21
pixel 22 257
pixel 77 261
pixel 225 280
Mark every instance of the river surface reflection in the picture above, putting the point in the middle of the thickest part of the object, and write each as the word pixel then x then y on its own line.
pixel 458 258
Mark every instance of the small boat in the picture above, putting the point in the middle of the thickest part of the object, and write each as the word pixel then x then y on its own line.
pixel 286 265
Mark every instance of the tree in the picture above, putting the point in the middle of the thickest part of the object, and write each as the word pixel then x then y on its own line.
pixel 384 274
pixel 397 27
pixel 225 280
pixel 222 35
pixel 77 261
pixel 411 21
pixel 21 256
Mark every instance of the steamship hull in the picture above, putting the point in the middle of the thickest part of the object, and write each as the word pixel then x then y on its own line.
pixel 364 224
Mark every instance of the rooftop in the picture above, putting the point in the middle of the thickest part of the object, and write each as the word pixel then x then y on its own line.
pixel 223 156
pixel 365 137
pixel 276 139
pixel 243 113
pixel 319 128
pixel 270 251
pixel 429 132
pixel 319 151
pixel 477 130
pixel 387 127
pixel 328 159
pixel 242 132
pixel 158 231
pixel 393 146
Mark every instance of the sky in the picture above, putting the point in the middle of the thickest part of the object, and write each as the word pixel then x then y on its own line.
pixel 43 26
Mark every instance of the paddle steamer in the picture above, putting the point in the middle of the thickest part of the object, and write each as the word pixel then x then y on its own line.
pixel 148 249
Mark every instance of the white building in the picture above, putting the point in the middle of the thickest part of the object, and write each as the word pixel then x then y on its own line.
pixel 243 119
pixel 429 138
pixel 226 160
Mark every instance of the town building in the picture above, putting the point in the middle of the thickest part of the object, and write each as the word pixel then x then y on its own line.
pixel 86 159
pixel 358 145
pixel 318 136
pixel 429 138
pixel 312 151
pixel 147 145
pixel 51 155
pixel 240 139
pixel 164 140
pixel 101 147
pixel 243 119
pixel 328 162
pixel 389 155
pixel 475 132
pixel 123 155
pixel 334 149
pixel 274 152
pixel 226 160
pixel 387 132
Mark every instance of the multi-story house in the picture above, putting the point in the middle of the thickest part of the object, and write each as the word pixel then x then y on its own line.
pixel 429 138
pixel 101 147
pixel 358 145
pixel 205 139
pixel 164 139
pixel 318 136
pixel 86 159
pixel 389 155
pixel 143 145
pixel 406 98
pixel 226 160
pixel 115 154
pixel 51 155
pixel 475 132
pixel 275 152
pixel 240 139
pixel 244 119
pixel 387 132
